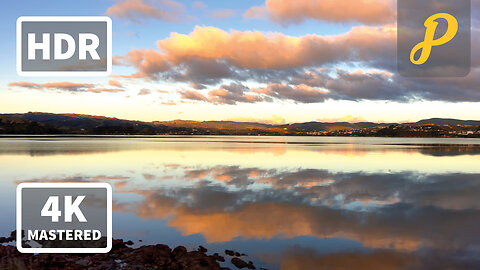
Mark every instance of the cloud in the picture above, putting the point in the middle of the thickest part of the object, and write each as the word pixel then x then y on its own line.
pixel 433 224
pixel 208 55
pixel 431 213
pixel 226 94
pixel 364 11
pixel 398 226
pixel 144 92
pixel 256 13
pixel 253 50
pixel 232 93
pixel 139 10
pixel 381 259
pixel 348 118
pixel 274 120
pixel 324 187
pixel 235 92
pixel 148 62
pixel 357 84
pixel 201 72
pixel 304 258
pixel 367 84
pixel 63 179
pixel 105 90
pixel 66 86
pixel 357 65
pixel 168 103
pixel 115 83
pixel 131 34
pixel 192 95
pixel 300 93
pixel 199 4
pixel 222 14
pixel 26 85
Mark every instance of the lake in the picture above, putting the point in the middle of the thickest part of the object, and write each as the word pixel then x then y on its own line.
pixel 286 202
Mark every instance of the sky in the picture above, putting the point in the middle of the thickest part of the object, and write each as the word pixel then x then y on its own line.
pixel 273 61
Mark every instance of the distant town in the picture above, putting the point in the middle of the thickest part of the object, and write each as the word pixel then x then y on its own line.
pixel 405 130
pixel 36 123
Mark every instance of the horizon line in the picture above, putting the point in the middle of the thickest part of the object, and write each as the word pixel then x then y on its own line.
pixel 254 121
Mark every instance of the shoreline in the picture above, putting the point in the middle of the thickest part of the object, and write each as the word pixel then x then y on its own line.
pixel 133 136
pixel 122 256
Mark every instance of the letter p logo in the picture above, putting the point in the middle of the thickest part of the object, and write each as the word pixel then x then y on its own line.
pixel 433 38
pixel 429 42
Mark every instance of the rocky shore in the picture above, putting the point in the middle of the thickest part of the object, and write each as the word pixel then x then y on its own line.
pixel 122 256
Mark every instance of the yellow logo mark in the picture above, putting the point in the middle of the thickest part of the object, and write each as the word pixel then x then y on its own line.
pixel 429 42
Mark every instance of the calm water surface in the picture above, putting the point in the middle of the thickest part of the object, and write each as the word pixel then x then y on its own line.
pixel 287 202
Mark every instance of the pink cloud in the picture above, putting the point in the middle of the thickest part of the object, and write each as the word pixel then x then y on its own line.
pixel 66 86
pixel 364 11
pixel 105 90
pixel 139 10
pixel 254 49
pixel 115 83
pixel 70 86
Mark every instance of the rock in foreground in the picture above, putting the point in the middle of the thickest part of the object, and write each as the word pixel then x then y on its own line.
pixel 120 257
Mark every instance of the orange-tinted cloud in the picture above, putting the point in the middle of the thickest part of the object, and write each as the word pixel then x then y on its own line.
pixel 66 86
pixel 120 185
pixel 139 10
pixel 408 214
pixel 377 230
pixel 105 90
pixel 70 86
pixel 267 220
pixel 363 11
pixel 254 49
pixel 301 93
pixel 208 56
pixel 300 69
pixel 274 120
pixel 256 13
pixel 97 178
pixel 115 83
pixel 348 118
pixel 148 62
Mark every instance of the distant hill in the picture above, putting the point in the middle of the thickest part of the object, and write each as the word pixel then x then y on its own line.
pixel 319 126
pixel 213 124
pixel 71 120
pixel 16 125
pixel 50 123
pixel 446 121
